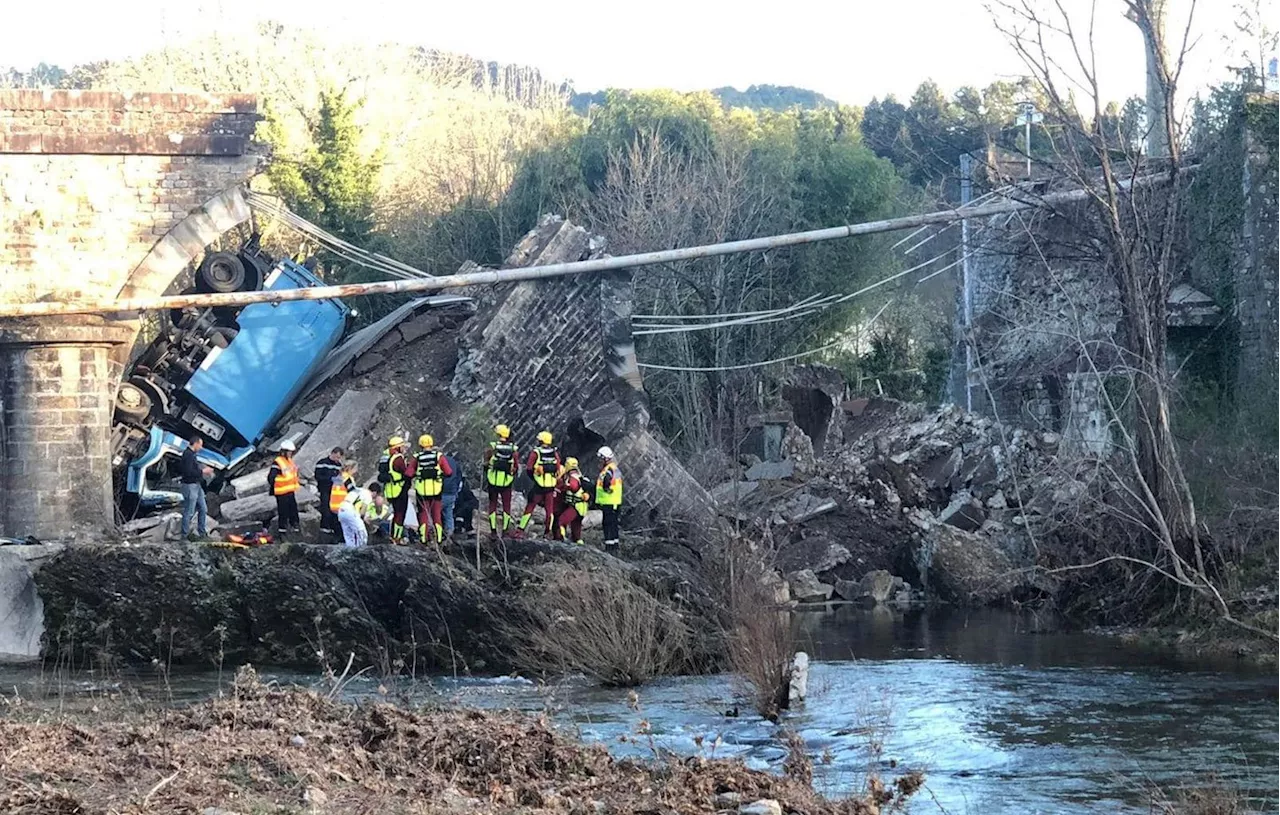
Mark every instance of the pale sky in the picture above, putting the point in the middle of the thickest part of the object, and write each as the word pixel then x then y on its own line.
pixel 850 50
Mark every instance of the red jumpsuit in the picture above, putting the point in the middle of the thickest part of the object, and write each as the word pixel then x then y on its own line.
pixel 571 507
pixel 430 505
pixel 539 495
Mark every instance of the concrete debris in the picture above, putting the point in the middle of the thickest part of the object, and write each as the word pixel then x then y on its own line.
pixel 807 588
pixel 797 448
pixel 313 417
pixel 367 362
pixel 345 423
pixel 606 421
pixel 874 589
pixel 250 484
pixel 297 432
pixel 262 508
pixel 771 471
pixel 732 492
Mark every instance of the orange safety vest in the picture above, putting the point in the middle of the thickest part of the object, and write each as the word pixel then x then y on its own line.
pixel 338 493
pixel 287 481
pixel 611 496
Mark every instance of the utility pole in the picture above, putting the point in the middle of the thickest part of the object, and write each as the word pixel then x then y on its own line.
pixel 966 195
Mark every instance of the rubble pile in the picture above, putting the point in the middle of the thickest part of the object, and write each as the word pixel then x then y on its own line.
pixel 952 500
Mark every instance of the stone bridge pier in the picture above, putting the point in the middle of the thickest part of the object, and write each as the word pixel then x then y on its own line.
pixel 101 194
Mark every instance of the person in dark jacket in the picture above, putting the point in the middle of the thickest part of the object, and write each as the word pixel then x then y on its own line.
pixel 452 486
pixel 464 509
pixel 328 469
pixel 193 473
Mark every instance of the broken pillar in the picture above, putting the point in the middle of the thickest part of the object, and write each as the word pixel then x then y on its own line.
pixel 57 392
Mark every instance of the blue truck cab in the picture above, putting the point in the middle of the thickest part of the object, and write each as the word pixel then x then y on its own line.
pixel 225 374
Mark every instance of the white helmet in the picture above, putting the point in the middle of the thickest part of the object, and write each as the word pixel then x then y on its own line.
pixel 605 452
pixel 287 446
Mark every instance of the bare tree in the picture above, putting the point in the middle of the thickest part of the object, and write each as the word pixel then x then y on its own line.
pixel 1134 228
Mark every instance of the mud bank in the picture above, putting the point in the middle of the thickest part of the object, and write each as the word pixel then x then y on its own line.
pixel 397 609
pixel 264 749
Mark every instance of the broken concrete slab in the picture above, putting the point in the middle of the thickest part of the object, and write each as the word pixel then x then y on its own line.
pixel 813 512
pixel 261 508
pixel 732 492
pixel 297 432
pixel 345 424
pixel 807 588
pixel 389 342
pixel 419 326
pixel 313 417
pixel 771 471
pixel 249 484
pixel 367 363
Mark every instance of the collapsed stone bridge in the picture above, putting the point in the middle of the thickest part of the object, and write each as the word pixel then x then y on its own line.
pixel 101 194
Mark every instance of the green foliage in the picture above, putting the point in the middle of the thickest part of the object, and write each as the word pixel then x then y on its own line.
pixel 332 183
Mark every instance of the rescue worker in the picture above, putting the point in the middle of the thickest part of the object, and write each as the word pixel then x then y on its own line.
pixel 464 509
pixel 543 467
pixel 350 516
pixel 609 495
pixel 430 470
pixel 340 487
pixel 395 468
pixel 501 463
pixel 282 482
pixel 378 514
pixel 572 503
pixel 327 469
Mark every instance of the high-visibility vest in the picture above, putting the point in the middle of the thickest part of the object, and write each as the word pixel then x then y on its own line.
pixel 287 481
pixel 395 479
pixel 574 495
pixel 500 472
pixel 544 468
pixel 429 478
pixel 338 492
pixel 611 497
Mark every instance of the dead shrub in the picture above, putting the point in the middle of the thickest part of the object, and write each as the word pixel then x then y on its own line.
pixel 1212 798
pixel 602 625
pixel 761 641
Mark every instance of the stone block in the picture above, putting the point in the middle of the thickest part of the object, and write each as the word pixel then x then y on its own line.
pixel 345 424
pixel 261 508
pixel 807 588
pixel 367 362
pixel 254 483
pixel 963 512
pixel 771 471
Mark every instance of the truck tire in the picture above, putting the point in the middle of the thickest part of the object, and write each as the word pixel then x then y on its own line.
pixel 133 404
pixel 219 273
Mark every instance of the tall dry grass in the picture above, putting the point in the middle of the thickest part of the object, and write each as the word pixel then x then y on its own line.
pixel 602 625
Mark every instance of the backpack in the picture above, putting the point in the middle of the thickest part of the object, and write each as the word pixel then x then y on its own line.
pixel 428 466
pixel 384 469
pixel 503 455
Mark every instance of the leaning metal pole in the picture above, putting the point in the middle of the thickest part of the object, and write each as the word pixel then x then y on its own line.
pixel 496 276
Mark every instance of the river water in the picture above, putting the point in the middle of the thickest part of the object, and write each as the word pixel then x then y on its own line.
pixel 1001 719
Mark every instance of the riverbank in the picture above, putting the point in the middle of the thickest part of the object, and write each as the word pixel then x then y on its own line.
pixel 397 610
pixel 262 748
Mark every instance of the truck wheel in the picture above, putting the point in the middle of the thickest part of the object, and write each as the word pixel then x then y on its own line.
pixel 133 403
pixel 221 272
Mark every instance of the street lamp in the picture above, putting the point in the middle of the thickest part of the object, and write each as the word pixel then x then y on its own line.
pixel 1028 116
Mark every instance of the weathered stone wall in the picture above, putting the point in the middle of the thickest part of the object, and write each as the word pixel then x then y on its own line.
pixel 90 180
pixel 558 354
pixel 1256 278
pixel 100 193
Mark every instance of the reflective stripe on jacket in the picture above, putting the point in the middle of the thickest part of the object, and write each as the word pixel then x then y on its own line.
pixel 609 486
pixel 286 481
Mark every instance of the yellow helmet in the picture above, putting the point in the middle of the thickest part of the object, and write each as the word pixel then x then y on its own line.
pixel 503 431
pixel 544 437
pixel 426 442
pixel 395 441
pixel 571 463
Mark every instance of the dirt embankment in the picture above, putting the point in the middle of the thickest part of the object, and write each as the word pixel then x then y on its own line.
pixel 397 609
pixel 264 749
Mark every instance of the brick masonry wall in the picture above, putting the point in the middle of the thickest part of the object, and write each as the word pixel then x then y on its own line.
pixel 90 181
pixel 558 355
pixel 99 193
